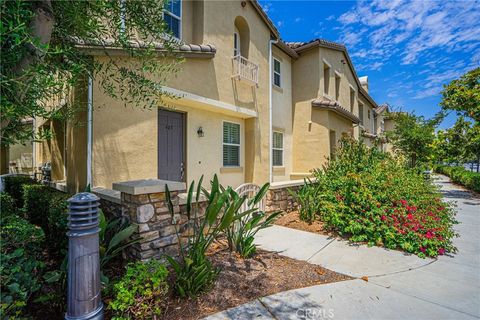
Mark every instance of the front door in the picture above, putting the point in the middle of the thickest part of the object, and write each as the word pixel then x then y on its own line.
pixel 171 165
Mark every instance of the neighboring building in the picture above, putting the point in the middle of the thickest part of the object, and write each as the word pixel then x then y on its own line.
pixel 236 115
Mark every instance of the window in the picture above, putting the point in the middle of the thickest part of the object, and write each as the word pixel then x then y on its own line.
pixel 326 78
pixel 337 86
pixel 236 44
pixel 352 99
pixel 373 120
pixel 333 143
pixel 360 113
pixel 277 77
pixel 231 144
pixel 172 15
pixel 277 144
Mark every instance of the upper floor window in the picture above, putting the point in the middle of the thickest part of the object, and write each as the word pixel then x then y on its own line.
pixel 360 113
pixel 372 121
pixel 277 149
pixel 236 43
pixel 352 99
pixel 231 144
pixel 277 74
pixel 337 86
pixel 326 79
pixel 173 17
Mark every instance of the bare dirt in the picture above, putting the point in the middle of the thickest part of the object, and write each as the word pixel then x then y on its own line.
pixel 243 280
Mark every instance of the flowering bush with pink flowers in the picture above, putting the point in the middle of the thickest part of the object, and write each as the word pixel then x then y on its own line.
pixel 368 196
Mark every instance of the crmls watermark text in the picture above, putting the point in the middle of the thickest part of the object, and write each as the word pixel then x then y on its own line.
pixel 314 313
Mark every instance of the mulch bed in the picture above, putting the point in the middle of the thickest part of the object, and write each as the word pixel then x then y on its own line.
pixel 292 220
pixel 243 280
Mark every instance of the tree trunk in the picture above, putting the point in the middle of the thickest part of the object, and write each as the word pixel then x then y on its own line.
pixel 41 29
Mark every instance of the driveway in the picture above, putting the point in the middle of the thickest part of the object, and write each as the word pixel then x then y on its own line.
pixel 399 286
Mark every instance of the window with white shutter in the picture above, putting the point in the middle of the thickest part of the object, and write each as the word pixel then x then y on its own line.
pixel 231 144
pixel 277 151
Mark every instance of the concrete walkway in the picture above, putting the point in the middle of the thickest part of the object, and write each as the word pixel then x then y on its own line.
pixel 399 286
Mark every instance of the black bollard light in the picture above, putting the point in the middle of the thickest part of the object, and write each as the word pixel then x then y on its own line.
pixel 84 301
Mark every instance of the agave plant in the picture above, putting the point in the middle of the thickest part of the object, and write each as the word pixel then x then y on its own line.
pixel 194 272
pixel 241 234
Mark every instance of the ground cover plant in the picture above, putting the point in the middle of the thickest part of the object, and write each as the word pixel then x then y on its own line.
pixel 368 196
pixel 460 175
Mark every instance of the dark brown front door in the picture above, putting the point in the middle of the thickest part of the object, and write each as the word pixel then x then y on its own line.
pixel 171 165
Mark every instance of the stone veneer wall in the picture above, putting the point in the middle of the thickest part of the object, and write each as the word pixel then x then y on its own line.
pixel 278 198
pixel 147 208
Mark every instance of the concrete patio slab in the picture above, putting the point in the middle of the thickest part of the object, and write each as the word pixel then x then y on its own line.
pixel 361 260
pixel 248 311
pixel 355 299
pixel 290 242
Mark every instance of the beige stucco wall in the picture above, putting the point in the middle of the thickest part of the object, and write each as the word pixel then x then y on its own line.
pixel 125 141
pixel 22 156
pixel 312 126
pixel 126 149
pixel 282 118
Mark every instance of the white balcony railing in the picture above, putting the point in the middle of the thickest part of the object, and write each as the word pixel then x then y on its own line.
pixel 243 69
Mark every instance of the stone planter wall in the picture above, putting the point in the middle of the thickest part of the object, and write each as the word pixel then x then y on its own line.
pixel 278 198
pixel 143 203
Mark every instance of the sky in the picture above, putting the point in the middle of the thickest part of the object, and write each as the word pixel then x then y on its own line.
pixel 408 49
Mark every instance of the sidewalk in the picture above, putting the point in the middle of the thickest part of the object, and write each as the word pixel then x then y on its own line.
pixel 399 286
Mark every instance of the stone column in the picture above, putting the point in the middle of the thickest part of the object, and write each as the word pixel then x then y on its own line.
pixel 145 204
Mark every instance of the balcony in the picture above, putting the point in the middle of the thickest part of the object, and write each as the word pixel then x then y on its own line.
pixel 245 70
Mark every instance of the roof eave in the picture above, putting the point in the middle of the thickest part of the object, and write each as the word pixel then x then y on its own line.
pixel 338 110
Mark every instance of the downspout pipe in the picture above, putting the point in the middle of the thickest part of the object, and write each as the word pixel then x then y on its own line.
pixel 89 130
pixel 270 106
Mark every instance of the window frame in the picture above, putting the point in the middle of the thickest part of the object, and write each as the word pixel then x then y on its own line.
pixel 237 50
pixel 361 112
pixel 279 73
pixel 326 84
pixel 179 18
pixel 353 97
pixel 337 87
pixel 239 145
pixel 282 149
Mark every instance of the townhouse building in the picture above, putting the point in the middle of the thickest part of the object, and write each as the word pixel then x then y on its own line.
pixel 248 107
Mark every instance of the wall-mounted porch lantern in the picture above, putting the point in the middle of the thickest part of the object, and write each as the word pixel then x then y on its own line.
pixel 200 132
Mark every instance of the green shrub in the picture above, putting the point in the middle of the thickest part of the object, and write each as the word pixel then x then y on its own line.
pixel 139 294
pixel 20 270
pixel 460 175
pixel 307 199
pixel 194 273
pixel 7 207
pixel 14 187
pixel 368 196
pixel 47 208
pixel 18 233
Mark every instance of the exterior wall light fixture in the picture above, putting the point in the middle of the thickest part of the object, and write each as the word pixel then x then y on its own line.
pixel 200 132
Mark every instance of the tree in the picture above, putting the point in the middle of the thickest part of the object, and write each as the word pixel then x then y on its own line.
pixel 463 95
pixel 42 56
pixel 412 136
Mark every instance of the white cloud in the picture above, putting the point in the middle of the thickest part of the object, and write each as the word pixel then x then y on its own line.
pixel 419 26
pixel 298 19
pixel 280 23
pixel 330 18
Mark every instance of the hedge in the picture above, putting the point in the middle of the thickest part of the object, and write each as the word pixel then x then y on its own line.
pixel 47 208
pixel 460 175
pixel 22 267
pixel 14 187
